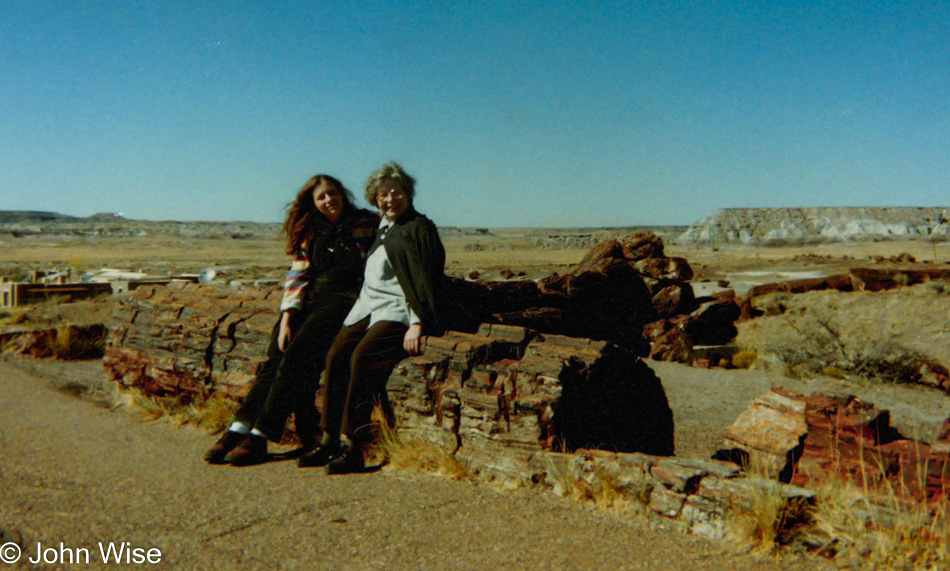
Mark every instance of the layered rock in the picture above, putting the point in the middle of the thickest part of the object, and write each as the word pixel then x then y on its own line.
pixel 188 339
pixel 805 440
pixel 499 398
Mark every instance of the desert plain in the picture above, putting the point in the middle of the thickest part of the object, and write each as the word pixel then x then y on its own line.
pixel 704 401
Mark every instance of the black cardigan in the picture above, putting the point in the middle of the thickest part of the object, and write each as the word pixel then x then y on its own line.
pixel 418 259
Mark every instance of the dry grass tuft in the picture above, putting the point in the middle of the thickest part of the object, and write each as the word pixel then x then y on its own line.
pixel 213 413
pixel 65 342
pixel 769 519
pixel 416 455
pixel 68 343
pixel 569 478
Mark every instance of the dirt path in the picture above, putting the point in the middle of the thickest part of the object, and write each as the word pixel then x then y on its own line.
pixel 80 474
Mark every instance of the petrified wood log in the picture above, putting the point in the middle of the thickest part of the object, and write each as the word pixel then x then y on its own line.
pixel 642 245
pixel 873 279
pixel 498 397
pixel 188 339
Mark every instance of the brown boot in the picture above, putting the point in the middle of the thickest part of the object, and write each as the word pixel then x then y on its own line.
pixel 228 441
pixel 252 450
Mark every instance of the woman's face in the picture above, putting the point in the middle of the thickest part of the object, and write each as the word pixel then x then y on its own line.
pixel 329 201
pixel 392 200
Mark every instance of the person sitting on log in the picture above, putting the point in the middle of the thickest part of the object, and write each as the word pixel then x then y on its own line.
pixel 329 238
pixel 402 288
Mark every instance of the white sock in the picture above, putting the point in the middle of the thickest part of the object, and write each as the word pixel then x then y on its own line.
pixel 239 427
pixel 256 432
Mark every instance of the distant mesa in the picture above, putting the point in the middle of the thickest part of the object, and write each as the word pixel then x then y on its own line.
pixel 23 223
pixel 32 217
pixel 106 216
pixel 813 225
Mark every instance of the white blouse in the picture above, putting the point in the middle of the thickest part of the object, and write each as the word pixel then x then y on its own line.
pixel 381 297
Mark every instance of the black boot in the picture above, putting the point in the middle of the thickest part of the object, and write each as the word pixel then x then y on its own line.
pixel 350 460
pixel 326 451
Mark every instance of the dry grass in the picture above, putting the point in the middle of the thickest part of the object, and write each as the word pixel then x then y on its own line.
pixel 68 343
pixel 65 342
pixel 213 414
pixel 416 455
pixel 897 533
pixel 771 519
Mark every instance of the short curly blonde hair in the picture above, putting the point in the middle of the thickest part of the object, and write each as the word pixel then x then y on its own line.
pixel 391 171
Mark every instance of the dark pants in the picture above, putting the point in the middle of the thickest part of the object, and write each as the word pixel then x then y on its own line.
pixel 358 366
pixel 287 382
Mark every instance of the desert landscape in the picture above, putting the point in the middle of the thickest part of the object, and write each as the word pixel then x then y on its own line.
pixel 883 338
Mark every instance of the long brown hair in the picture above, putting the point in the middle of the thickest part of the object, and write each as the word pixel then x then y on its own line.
pixel 301 211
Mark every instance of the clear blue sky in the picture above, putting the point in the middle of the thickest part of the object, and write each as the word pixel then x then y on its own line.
pixel 508 113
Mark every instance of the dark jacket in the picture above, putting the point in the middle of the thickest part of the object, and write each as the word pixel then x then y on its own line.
pixel 418 259
pixel 330 259
pixel 337 252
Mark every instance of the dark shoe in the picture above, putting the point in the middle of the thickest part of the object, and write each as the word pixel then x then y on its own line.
pixel 252 450
pixel 319 456
pixel 228 441
pixel 307 427
pixel 349 461
pixel 309 440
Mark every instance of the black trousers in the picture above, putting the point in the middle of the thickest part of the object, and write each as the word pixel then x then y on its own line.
pixel 358 366
pixel 287 382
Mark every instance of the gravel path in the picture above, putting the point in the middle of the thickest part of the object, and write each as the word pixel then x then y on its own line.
pixel 80 474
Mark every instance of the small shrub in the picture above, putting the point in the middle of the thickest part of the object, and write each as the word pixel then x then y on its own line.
pixel 818 346
pixel 744 359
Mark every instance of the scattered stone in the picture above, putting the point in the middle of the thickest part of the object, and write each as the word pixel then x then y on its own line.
pixel 807 440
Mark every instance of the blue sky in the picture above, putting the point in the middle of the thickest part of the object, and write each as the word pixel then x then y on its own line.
pixel 507 113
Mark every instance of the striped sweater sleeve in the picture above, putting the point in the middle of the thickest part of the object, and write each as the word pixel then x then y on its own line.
pixel 295 284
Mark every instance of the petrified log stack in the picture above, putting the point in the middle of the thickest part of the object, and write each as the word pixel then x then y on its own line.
pixel 189 339
pixel 614 293
pixel 501 396
pixel 817 438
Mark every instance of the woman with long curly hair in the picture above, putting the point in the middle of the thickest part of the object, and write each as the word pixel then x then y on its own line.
pixel 329 238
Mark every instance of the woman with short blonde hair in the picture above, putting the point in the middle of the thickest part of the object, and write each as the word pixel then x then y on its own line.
pixel 399 301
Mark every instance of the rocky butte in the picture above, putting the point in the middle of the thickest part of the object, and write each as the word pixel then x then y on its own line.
pixel 832 224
